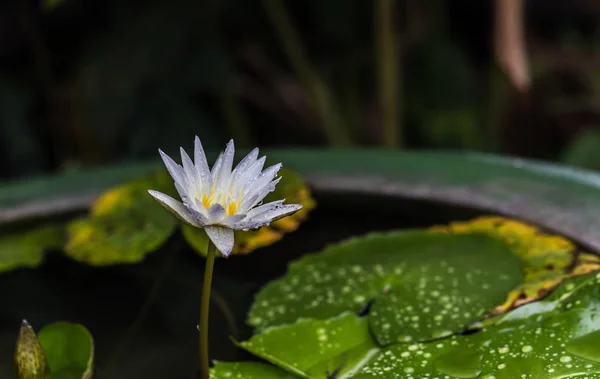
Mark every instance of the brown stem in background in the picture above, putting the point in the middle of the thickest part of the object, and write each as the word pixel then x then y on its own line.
pixel 509 42
pixel 388 57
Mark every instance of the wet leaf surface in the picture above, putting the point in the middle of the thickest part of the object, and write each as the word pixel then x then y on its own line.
pixel 550 339
pixel 293 189
pixel 124 225
pixel 248 370
pixel 547 259
pixel 319 349
pixel 422 285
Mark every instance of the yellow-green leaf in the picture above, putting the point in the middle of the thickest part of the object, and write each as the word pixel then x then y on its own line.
pixel 293 189
pixel 124 225
pixel 27 249
pixel 547 259
pixel 29 361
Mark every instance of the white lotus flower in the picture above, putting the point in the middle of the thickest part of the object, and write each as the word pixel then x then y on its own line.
pixel 221 200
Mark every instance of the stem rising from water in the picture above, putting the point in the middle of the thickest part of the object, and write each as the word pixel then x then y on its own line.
pixel 205 309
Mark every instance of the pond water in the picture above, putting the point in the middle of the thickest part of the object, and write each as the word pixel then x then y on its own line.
pixel 108 300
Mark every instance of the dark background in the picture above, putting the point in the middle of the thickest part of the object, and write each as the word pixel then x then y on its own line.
pixel 101 81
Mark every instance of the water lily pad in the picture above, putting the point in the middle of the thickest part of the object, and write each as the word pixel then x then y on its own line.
pixel 418 285
pixel 320 349
pixel 27 249
pixel 124 225
pixel 556 338
pixel 248 370
pixel 556 343
pixel 69 349
pixel 293 189
pixel 547 259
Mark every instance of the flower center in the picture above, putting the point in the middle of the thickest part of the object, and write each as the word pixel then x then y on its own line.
pixel 231 206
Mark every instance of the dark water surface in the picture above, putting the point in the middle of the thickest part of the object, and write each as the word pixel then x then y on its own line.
pixel 108 300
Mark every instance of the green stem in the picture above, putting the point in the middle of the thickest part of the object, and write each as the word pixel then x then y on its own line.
pixel 389 61
pixel 205 308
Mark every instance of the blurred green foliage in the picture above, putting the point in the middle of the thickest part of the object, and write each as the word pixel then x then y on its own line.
pixel 112 80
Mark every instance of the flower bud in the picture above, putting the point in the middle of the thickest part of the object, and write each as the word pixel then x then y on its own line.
pixel 29 360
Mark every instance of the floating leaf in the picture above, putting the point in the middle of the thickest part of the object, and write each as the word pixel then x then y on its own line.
pixel 29 360
pixel 248 370
pixel 549 339
pixel 70 350
pixel 547 259
pixel 27 249
pixel 292 188
pixel 124 225
pixel 418 285
pixel 556 343
pixel 321 348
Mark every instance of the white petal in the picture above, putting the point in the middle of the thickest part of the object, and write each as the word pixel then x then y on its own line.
pixel 247 203
pixel 264 208
pixel 263 184
pixel 216 213
pixel 266 176
pixel 190 171
pixel 252 172
pixel 246 162
pixel 175 207
pixel 175 170
pixel 200 217
pixel 222 237
pixel 216 167
pixel 183 194
pixel 230 221
pixel 257 195
pixel 224 173
pixel 266 217
pixel 202 164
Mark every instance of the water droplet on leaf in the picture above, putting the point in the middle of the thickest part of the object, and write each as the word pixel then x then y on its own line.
pixel 459 364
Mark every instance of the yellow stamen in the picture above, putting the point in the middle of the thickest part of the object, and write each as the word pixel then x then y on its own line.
pixel 232 208
pixel 206 201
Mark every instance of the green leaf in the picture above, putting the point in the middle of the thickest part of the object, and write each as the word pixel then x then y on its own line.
pixel 547 259
pixel 29 360
pixel 248 370
pixel 70 350
pixel 320 349
pixel 550 339
pixel 27 249
pixel 420 285
pixel 294 189
pixel 556 343
pixel 124 225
